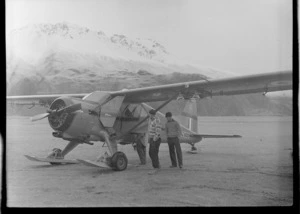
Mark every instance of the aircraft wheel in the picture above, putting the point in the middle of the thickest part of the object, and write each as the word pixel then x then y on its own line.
pixel 119 161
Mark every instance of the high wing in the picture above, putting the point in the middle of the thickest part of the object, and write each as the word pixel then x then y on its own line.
pixel 38 99
pixel 266 82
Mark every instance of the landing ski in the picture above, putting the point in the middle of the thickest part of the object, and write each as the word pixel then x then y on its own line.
pixel 51 160
pixel 94 163
pixel 192 152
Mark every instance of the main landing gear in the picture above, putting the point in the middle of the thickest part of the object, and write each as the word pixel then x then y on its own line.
pixel 119 161
pixel 58 154
pixel 56 157
pixel 115 159
pixel 55 154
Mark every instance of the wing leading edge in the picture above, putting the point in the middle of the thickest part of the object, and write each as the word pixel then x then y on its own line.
pixel 38 99
pixel 266 82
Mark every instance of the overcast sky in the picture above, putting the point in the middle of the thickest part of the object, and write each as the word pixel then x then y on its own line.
pixel 241 36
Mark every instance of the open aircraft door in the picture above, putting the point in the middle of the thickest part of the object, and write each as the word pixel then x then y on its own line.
pixel 110 110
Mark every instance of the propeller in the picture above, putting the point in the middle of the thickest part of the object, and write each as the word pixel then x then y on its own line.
pixel 39 117
pixel 69 109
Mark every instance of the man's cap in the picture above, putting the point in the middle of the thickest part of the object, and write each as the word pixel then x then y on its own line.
pixel 168 114
pixel 152 111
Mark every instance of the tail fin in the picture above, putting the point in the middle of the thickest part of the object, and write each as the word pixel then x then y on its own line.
pixel 190 115
pixel 193 125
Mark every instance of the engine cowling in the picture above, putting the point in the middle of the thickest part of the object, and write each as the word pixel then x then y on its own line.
pixel 78 121
pixel 62 121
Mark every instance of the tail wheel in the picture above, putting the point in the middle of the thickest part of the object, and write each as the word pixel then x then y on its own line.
pixel 193 147
pixel 55 163
pixel 119 161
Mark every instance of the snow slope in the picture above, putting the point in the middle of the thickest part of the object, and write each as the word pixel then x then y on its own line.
pixel 44 48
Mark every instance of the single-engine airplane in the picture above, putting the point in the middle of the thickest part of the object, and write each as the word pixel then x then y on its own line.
pixel 120 117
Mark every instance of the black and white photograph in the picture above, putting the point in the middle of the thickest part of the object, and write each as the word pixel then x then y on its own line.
pixel 149 103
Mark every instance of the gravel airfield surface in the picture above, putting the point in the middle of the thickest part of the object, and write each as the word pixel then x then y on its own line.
pixel 255 170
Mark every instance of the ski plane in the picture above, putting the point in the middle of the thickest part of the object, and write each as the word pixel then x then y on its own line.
pixel 120 117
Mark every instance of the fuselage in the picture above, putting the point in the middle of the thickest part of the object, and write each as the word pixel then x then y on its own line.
pixel 86 124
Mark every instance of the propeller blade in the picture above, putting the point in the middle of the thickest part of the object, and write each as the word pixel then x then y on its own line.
pixel 70 109
pixel 39 117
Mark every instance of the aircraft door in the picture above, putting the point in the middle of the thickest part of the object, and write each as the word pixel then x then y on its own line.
pixel 110 110
pixel 130 115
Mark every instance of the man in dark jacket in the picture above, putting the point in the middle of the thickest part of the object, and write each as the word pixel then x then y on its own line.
pixel 141 148
pixel 173 132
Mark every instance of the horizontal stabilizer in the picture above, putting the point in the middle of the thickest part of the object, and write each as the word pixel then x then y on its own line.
pixel 189 115
pixel 215 136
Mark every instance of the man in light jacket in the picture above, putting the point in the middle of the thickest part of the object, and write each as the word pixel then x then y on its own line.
pixel 154 139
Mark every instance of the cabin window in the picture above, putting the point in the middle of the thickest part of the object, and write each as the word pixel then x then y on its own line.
pixel 144 112
pixel 134 111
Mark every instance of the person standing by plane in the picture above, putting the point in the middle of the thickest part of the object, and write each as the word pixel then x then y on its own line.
pixel 173 132
pixel 154 140
pixel 141 143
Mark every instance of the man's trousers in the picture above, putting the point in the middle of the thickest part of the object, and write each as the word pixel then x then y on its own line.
pixel 173 143
pixel 153 152
pixel 141 150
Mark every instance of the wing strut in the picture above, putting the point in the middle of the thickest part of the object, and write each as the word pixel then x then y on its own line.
pixel 157 109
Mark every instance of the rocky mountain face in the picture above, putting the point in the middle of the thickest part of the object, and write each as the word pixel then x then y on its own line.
pixel 66 58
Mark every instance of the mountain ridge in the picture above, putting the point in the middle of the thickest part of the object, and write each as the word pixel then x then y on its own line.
pixel 67 58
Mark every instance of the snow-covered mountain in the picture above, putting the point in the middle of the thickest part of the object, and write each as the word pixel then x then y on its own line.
pixel 66 58
pixel 55 54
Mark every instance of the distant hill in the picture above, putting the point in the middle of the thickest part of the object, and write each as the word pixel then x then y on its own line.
pixel 47 58
pixel 66 58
